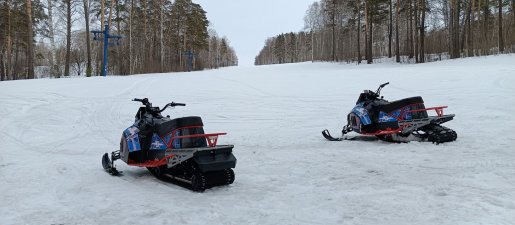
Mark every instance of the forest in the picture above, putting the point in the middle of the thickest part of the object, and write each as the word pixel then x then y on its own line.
pixel 412 31
pixel 53 38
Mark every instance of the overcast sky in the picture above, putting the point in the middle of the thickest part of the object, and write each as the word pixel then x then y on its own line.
pixel 247 23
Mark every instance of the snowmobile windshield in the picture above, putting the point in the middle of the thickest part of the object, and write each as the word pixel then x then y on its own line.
pixel 367 95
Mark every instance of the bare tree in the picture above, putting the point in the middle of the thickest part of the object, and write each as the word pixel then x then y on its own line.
pixel 161 39
pixel 54 69
pixel 397 40
pixel 68 5
pixel 390 26
pixel 423 9
pixel 89 68
pixel 358 29
pixel 30 42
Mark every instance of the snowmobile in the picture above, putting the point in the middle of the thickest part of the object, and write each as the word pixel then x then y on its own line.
pixel 175 150
pixel 398 121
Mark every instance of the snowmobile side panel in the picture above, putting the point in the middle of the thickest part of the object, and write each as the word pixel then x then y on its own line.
pixel 177 156
pixel 363 115
pixel 133 143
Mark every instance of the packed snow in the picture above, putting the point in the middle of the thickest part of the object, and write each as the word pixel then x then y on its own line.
pixel 53 133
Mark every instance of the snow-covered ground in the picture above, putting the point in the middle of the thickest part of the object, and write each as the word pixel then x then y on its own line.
pixel 54 132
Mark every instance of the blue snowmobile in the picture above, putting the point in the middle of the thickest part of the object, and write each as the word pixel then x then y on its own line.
pixel 398 121
pixel 174 149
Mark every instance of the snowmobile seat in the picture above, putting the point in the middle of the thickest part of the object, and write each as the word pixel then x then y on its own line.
pixel 392 106
pixel 165 125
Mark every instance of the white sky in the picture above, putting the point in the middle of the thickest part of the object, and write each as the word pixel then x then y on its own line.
pixel 247 23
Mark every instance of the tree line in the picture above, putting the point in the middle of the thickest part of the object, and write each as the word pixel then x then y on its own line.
pixel 414 31
pixel 37 38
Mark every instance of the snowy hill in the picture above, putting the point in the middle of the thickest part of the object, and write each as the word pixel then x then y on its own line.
pixel 54 132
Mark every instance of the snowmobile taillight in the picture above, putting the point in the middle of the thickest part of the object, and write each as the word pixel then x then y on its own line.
pixel 212 139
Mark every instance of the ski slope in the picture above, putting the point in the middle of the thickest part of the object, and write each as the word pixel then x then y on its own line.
pixel 53 133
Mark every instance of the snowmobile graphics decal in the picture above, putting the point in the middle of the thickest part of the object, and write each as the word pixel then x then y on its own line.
pixel 384 117
pixel 177 142
pixel 131 134
pixel 362 114
pixel 157 143
pixel 166 138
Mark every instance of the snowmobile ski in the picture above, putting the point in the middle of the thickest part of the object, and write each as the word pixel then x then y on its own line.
pixel 109 166
pixel 328 136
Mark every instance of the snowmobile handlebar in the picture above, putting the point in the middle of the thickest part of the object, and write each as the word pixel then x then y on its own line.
pixel 143 101
pixel 177 104
pixel 148 105
pixel 171 104
pixel 378 92
pixel 383 85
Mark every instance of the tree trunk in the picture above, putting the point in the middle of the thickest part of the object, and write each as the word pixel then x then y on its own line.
pixel 110 14
pixel 121 69
pixel 368 34
pixel 463 36
pixel 15 64
pixel 2 69
pixel 109 23
pixel 513 25
pixel 453 26
pixel 486 30
pixel 513 11
pixel 422 30
pixel 478 29
pixel 457 29
pixel 312 46
pixel 358 46
pixel 410 30
pixel 101 45
pixel 89 68
pixel 130 38
pixel 469 32
pixel 145 36
pixel 416 36
pixel 68 37
pixel 30 42
pixel 501 38
pixel 397 40
pixel 390 28
pixel 9 49
pixel 370 42
pixel 54 70
pixel 161 43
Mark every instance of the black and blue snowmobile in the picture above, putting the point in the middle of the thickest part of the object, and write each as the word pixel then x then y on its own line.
pixel 398 121
pixel 174 149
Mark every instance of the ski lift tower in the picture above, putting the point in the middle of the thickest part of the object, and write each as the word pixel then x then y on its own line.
pixel 97 37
